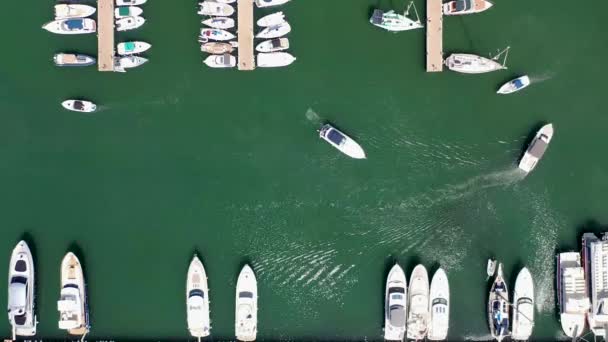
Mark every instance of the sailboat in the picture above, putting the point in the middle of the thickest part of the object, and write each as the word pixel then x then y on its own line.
pixel 197 300
pixel 395 304
pixel 498 307
pixel 246 310
pixel 439 304
pixel 395 22
pixel 72 304
pixel 418 304
pixel 271 19
pixel 523 306
pixel 537 148
pixel 21 285
pixel 473 64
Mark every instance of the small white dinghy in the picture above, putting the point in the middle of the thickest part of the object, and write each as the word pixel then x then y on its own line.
pixel 81 106
pixel 127 11
pixel 514 85
pixel 130 2
pixel 213 8
pixel 418 301
pixel 271 19
pixel 219 48
pixel 341 141
pixel 473 64
pixel 491 268
pixel 71 26
pixel 273 45
pixel 459 7
pixel 72 304
pixel 246 308
pixel 537 148
pixel 269 3
pixel 131 61
pixel 67 11
pixel 197 299
pixel 21 285
pixel 439 305
pixel 274 59
pixel 219 22
pixel 523 306
pixel 215 34
pixel 129 23
pixel 220 61
pixel 275 31
pixel 130 48
pixel 395 304
pixel 498 307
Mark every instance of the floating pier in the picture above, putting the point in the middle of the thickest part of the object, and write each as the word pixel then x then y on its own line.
pixel 434 36
pixel 105 35
pixel 245 35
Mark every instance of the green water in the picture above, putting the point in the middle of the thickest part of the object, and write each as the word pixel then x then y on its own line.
pixel 182 158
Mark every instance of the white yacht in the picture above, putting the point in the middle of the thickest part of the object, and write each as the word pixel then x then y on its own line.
pixel 341 141
pixel 395 305
pixel 395 22
pixel 129 23
pixel 439 305
pixel 523 306
pixel 514 85
pixel 220 61
pixel 571 293
pixel 274 59
pixel 275 31
pixel 271 19
pixel 459 7
pixel 595 259
pixel 217 9
pixel 67 11
pixel 269 3
pixel 246 310
pixel 72 60
pixel 71 26
pixel 498 307
pixel 215 34
pixel 222 23
pixel 72 304
pixel 130 2
pixel 81 106
pixel 537 148
pixel 219 48
pixel 127 11
pixel 418 304
pixel 197 299
pixel 130 48
pixel 273 45
pixel 21 285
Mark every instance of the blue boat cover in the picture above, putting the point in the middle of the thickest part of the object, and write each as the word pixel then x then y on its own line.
pixel 518 84
pixel 335 137
pixel 74 24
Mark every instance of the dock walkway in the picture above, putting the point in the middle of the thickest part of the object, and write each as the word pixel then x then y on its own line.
pixel 105 35
pixel 434 36
pixel 245 35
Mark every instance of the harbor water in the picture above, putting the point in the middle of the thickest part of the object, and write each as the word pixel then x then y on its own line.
pixel 181 158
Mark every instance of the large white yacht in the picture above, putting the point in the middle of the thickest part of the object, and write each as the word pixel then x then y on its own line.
pixel 21 314
pixel 72 304
pixel 197 299
pixel 523 306
pixel 439 305
pixel 537 148
pixel 571 293
pixel 395 304
pixel 418 302
pixel 595 261
pixel 246 310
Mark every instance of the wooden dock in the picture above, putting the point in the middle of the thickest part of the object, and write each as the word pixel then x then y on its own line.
pixel 434 36
pixel 105 35
pixel 245 35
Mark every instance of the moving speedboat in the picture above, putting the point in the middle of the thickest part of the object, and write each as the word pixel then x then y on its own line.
pixel 71 26
pixel 67 11
pixel 130 48
pixel 218 48
pixel 395 304
pixel 213 8
pixel 129 23
pixel 537 148
pixel 498 307
pixel 269 3
pixel 219 22
pixel 220 61
pixel 215 34
pixel 79 106
pixel 275 31
pixel 197 299
pixel 21 284
pixel 395 22
pixel 246 310
pixel 523 306
pixel 273 45
pixel 274 59
pixel 459 7
pixel 72 304
pixel 130 2
pixel 418 302
pixel 472 64
pixel 341 141
pixel 439 305
pixel 572 294
pixel 127 11
pixel 271 19
pixel 514 85
pixel 71 59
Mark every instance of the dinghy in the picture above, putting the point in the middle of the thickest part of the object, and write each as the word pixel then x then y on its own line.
pixel 459 7
pixel 129 23
pixel 246 310
pixel 213 8
pixel 21 285
pixel 523 306
pixel 498 307
pixel 197 300
pixel 273 45
pixel 572 294
pixel 220 61
pixel 219 23
pixel 269 3
pixel 474 64
pixel 271 19
pixel 130 48
pixel 537 148
pixel 274 59
pixel 67 11
pixel 395 22
pixel 418 301
pixel 215 34
pixel 71 26
pixel 72 60
pixel 439 305
pixel 218 48
pixel 275 31
pixel 127 11
pixel 514 85
pixel 491 268
pixel 395 304
pixel 72 304
pixel 130 2
pixel 79 106
pixel 341 141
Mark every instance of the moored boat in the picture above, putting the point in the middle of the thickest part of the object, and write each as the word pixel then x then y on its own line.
pixel 72 60
pixel 246 308
pixel 595 262
pixel 274 59
pixel 21 285
pixel 72 304
pixel 220 61
pixel 271 19
pixel 213 8
pixel 523 306
pixel 273 45
pixel 130 2
pixel 498 307
pixel 491 268
pixel 131 61
pixel 71 26
pixel 270 3
pixel 218 48
pixel 418 304
pixel 215 34
pixel 459 7
pixel 472 64
pixel 395 22
pixel 275 31
pixel 537 148
pixel 341 141
pixel 219 22
pixel 395 304
pixel 127 11
pixel 197 299
pixel 79 106
pixel 571 294
pixel 439 304
pixel 130 48
pixel 129 23
pixel 67 11
pixel 514 85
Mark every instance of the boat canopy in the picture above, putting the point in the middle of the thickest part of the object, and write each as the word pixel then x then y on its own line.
pixel 518 83
pixel 245 294
pixel 377 17
pixel 18 293
pixel 20 266
pixel 129 46
pixel 464 5
pixel 74 24
pixel 396 315
pixel 335 137
pixel 276 43
pixel 124 11
pixel 538 148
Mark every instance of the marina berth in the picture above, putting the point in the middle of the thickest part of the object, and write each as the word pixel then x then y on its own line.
pixel 273 45
pixel 218 48
pixel 220 61
pixel 71 26
pixel 67 11
pixel 271 19
pixel 498 307
pixel 270 3
pixel 572 294
pixel 213 8
pixel 341 142
pixel 418 304
pixel 79 106
pixel 219 22
pixel 514 85
pixel 130 2
pixel 215 34
pixel 197 300
pixel 129 23
pixel 246 308
pixel 127 11
pixel 523 306
pixel 395 304
pixel 134 47
pixel 460 7
pixel 275 31
pixel 537 148
pixel 595 260
pixel 72 60
pixel 439 304
pixel 21 286
pixel 72 304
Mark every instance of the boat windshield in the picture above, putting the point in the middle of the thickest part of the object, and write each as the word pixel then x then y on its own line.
pixel 20 319
pixel 335 137
pixel 130 46
pixel 538 148
pixel 464 5
pixel 440 301
pixel 196 293
pixel 245 294
pixel 20 266
pixel 124 11
pixel 397 315
pixel 74 24
pixel 78 105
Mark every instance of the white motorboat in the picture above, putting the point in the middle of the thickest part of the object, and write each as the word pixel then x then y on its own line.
pixel 498 307
pixel 275 31
pixel 130 48
pixel 129 23
pixel 246 308
pixel 274 59
pixel 226 1
pixel 273 45
pixel 491 268
pixel 395 22
pixel 130 2
pixel 79 106
pixel 572 294
pixel 341 141
pixel 473 64
pixel 72 60
pixel 514 85
pixel 270 3
pixel 21 285
pixel 67 11
pixel 595 261
pixel 523 306
pixel 131 61
pixel 197 299
pixel 537 148
pixel 271 19
pixel 459 7
pixel 127 11
pixel 395 304
pixel 439 305
pixel 71 26
pixel 220 61
pixel 213 8
pixel 215 34
pixel 219 22
pixel 72 304
pixel 418 304
pixel 219 48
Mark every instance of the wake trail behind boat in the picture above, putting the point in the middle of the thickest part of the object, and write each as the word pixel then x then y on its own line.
pixel 313 117
pixel 542 77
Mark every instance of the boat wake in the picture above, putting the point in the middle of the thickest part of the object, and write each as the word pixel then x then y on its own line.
pixel 542 77
pixel 313 117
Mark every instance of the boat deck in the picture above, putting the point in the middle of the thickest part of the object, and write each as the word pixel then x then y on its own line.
pixel 105 35
pixel 245 35
pixel 434 36
pixel 479 5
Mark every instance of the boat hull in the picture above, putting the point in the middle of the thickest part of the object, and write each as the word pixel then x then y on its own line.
pixel 418 304
pixel 217 48
pixel 216 34
pixel 275 31
pixel 341 142
pixel 273 45
pixel 67 11
pixel 270 3
pixel 130 2
pixel 393 22
pixel 72 277
pixel 124 48
pixel 21 285
pixel 213 8
pixel 523 306
pixel 220 61
pixel 246 308
pixel 79 106
pixel 129 23
pixel 72 60
pixel 439 305
pixel 449 8
pixel 222 23
pixel 395 304
pixel 197 299
pixel 472 64
pixel 271 19
pixel 572 321
pixel 514 85
pixel 71 26
pixel 536 149
pixel 134 11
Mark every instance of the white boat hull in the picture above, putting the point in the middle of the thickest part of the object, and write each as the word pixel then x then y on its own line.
pixel 72 60
pixel 21 285
pixel 418 304
pixel 216 34
pixel 472 64
pixel 67 11
pixel 572 294
pixel 271 19
pixel 246 310
pixel 270 3
pixel 275 31
pixel 197 300
pixel 213 8
pixel 449 8
pixel 395 304
pixel 71 26
pixel 130 2
pixel 222 23
pixel 72 306
pixel 439 305
pixel 126 48
pixel 273 45
pixel 274 59
pixel 523 306
pixel 131 61
pixel 129 23
pixel 394 22
pixel 514 85
pixel 536 149
pixel 220 61
pixel 80 106
pixel 342 142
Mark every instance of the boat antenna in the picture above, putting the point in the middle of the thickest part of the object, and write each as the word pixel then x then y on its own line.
pixel 407 11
